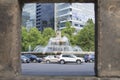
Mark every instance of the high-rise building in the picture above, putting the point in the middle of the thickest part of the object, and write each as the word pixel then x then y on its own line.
pixel 31 9
pixel 44 15
pixel 57 14
pixel 25 18
pixel 76 13
pixel 29 15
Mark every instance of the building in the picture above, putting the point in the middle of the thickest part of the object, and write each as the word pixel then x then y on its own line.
pixel 30 8
pixel 76 13
pixel 44 15
pixel 29 15
pixel 30 24
pixel 25 18
pixel 55 15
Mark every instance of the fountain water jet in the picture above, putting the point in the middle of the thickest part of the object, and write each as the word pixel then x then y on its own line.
pixel 58 44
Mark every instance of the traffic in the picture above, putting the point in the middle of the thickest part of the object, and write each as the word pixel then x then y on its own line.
pixel 61 59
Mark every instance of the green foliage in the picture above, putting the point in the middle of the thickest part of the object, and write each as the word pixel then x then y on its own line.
pixel 34 37
pixel 24 39
pixel 68 32
pixel 85 38
pixel 47 33
pixel 68 24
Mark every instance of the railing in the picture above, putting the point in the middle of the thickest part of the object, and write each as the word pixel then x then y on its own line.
pixel 63 52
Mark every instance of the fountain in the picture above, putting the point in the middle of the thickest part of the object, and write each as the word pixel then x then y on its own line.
pixel 77 48
pixel 56 45
pixel 38 48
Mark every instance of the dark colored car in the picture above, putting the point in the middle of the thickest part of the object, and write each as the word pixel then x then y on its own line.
pixel 24 59
pixel 33 58
pixel 89 58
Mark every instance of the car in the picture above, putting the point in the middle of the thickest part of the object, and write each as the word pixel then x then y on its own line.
pixel 33 58
pixel 69 58
pixel 24 59
pixel 89 58
pixel 50 59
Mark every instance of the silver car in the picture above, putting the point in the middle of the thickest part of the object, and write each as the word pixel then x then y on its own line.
pixel 50 59
pixel 24 59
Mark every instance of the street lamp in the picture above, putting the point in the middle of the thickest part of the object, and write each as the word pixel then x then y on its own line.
pixel 29 47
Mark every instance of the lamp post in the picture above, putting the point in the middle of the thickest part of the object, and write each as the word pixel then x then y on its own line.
pixel 29 46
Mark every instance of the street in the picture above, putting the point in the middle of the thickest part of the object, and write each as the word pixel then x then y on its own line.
pixel 69 69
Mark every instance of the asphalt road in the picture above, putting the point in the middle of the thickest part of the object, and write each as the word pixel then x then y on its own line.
pixel 70 69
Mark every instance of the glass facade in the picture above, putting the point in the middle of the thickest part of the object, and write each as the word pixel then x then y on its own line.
pixel 76 13
pixel 54 14
pixel 44 15
pixel 28 15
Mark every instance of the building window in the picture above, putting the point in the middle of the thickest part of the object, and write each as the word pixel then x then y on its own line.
pixel 81 25
pixel 76 24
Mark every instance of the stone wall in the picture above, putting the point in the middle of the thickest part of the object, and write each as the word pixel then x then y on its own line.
pixel 107 40
pixel 9 38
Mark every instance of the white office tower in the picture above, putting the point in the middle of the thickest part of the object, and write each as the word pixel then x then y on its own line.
pixel 76 13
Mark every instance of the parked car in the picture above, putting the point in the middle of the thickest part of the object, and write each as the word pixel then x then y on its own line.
pixel 89 58
pixel 33 58
pixel 24 59
pixel 65 58
pixel 50 59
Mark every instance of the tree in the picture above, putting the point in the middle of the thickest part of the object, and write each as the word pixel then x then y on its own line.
pixel 85 37
pixel 68 32
pixel 47 33
pixel 24 39
pixel 68 29
pixel 33 38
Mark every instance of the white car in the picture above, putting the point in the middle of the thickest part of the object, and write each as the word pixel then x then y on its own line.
pixel 65 58
pixel 50 59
